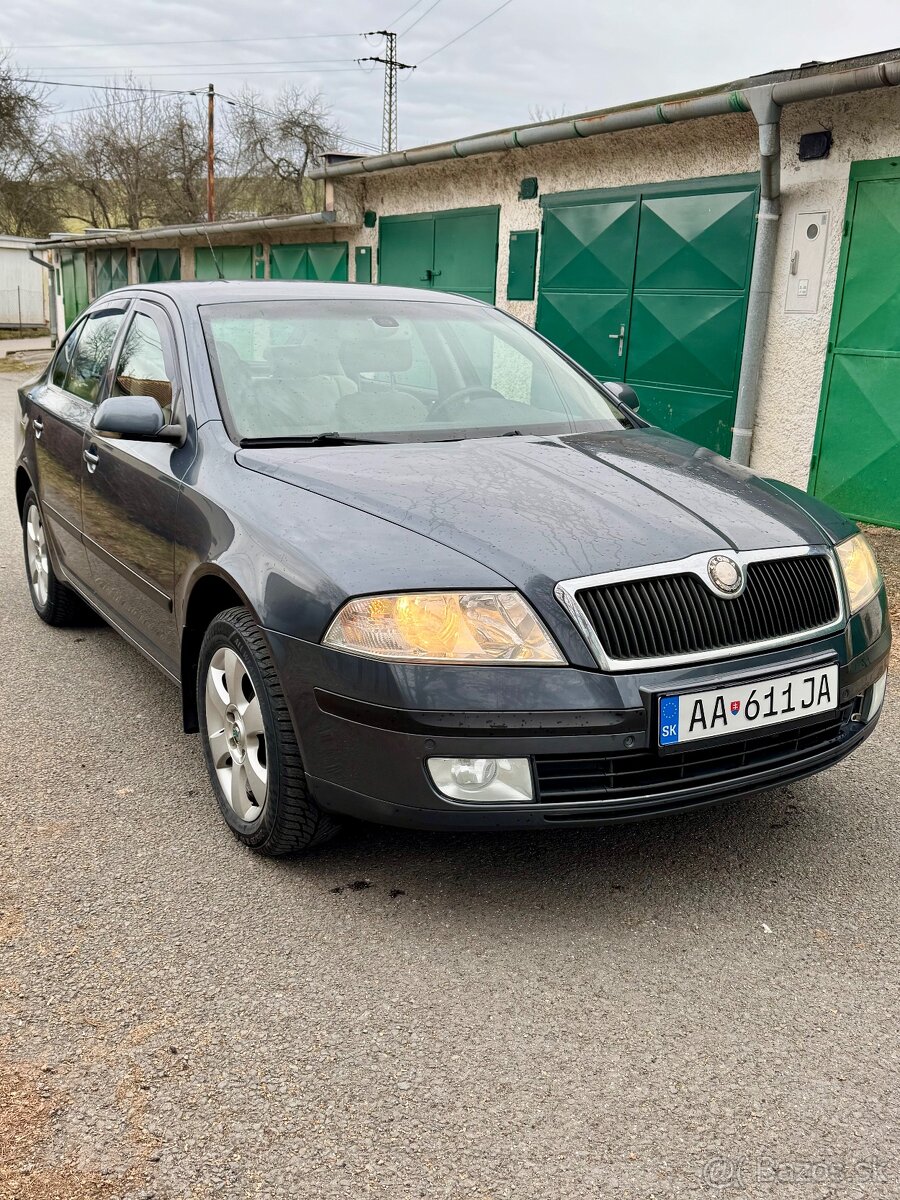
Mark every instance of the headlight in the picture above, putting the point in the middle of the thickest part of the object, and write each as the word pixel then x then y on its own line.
pixel 451 627
pixel 860 571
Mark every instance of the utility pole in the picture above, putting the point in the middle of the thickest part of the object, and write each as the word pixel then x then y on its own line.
pixel 210 153
pixel 391 67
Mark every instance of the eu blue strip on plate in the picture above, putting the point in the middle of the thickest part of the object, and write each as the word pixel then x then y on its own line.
pixel 668 720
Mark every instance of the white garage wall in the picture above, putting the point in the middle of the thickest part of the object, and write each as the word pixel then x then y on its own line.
pixel 865 125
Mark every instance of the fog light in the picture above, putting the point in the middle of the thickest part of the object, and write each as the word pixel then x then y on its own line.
pixel 486 780
pixel 876 697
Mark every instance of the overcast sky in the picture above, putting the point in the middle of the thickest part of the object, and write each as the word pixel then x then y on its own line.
pixel 555 55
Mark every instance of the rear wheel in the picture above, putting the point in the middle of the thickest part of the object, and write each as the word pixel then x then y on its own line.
pixel 251 751
pixel 54 601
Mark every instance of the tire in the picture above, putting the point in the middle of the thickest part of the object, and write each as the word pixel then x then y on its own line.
pixel 249 743
pixel 54 601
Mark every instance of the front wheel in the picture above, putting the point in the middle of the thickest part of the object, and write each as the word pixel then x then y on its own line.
pixel 54 602
pixel 249 744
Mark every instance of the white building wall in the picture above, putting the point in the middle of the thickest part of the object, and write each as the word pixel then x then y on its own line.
pixel 865 126
pixel 23 286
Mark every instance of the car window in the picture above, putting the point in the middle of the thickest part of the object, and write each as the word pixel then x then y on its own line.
pixel 91 356
pixel 63 359
pixel 421 373
pixel 141 369
pixel 392 370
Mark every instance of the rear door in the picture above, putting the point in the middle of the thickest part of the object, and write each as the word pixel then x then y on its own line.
pixel 61 411
pixel 130 492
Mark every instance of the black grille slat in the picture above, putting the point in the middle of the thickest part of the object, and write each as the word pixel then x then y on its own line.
pixel 626 775
pixel 679 614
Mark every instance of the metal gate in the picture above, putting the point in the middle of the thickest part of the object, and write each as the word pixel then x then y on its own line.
pixel 110 270
pixel 159 266
pixel 326 261
pixel 649 285
pixel 73 268
pixel 454 251
pixel 856 458
pixel 235 262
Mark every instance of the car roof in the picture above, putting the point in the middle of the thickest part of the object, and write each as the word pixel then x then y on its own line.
pixel 192 293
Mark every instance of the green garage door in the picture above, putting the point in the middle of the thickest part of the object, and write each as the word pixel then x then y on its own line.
pixel 450 251
pixel 159 266
pixel 856 461
pixel 235 262
pixel 73 268
pixel 110 270
pixel 326 261
pixel 649 286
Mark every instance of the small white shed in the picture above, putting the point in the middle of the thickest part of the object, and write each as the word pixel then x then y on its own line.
pixel 23 284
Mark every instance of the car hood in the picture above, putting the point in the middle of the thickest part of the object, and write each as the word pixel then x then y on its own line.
pixel 543 509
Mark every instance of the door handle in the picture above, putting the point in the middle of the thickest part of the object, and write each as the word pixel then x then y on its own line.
pixel 620 337
pixel 91 457
pixel 429 275
pixel 38 426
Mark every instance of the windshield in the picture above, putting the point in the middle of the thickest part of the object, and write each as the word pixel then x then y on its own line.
pixel 376 370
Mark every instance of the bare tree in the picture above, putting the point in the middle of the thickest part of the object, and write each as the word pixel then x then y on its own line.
pixel 27 200
pixel 139 157
pixel 275 146
pixel 538 113
pixel 112 162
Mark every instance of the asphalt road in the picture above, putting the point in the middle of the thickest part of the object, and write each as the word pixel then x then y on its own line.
pixel 702 1005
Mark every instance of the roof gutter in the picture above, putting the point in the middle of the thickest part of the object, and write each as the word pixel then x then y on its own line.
pixel 667 112
pixel 128 237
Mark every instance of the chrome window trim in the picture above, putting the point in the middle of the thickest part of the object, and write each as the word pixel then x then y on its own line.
pixel 566 593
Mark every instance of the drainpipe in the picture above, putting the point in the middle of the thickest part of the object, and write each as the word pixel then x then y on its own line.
pixel 51 293
pixel 768 118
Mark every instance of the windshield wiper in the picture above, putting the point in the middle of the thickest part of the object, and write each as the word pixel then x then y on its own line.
pixel 315 439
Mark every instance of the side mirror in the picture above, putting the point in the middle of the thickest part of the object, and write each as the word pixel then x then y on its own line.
pixel 624 393
pixel 138 417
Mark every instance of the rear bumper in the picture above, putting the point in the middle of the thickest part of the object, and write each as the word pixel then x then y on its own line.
pixel 366 756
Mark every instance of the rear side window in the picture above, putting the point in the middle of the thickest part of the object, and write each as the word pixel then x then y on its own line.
pixel 91 356
pixel 64 358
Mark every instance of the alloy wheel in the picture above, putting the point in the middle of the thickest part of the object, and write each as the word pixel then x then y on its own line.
pixel 236 734
pixel 38 560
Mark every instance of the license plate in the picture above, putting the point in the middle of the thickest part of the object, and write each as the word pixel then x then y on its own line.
pixel 692 716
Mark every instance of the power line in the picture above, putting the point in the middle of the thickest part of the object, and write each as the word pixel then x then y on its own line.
pixel 68 112
pixel 297 37
pixel 98 87
pixel 464 33
pixel 397 20
pixel 175 74
pixel 419 18
pixel 268 112
pixel 153 67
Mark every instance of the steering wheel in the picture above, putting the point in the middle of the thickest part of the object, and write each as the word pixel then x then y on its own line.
pixel 464 395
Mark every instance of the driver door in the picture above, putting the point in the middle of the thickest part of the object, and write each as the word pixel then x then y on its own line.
pixel 130 493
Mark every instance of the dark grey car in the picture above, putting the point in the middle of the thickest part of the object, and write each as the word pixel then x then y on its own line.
pixel 410 563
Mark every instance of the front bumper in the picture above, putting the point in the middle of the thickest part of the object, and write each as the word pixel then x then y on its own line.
pixel 366 729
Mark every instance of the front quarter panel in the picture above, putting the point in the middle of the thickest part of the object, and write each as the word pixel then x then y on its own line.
pixel 297 556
